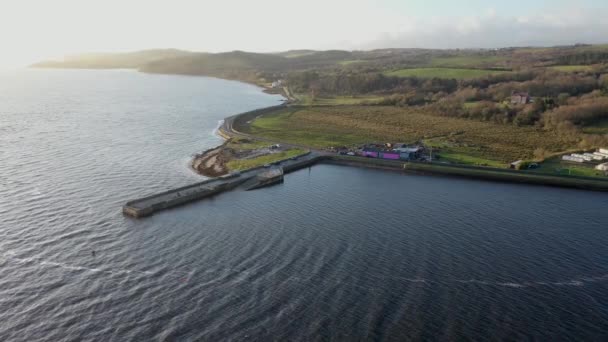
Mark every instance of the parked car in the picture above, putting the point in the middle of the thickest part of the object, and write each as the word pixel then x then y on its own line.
pixel 351 153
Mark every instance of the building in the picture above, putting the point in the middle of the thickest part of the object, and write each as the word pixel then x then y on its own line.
pixel 407 153
pixel 277 84
pixel 370 153
pixel 602 167
pixel 600 156
pixel 516 164
pixel 390 155
pixel 520 98
pixel 573 158
pixel 384 152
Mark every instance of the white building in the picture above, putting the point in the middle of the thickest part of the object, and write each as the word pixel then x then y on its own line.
pixel 600 155
pixel 573 158
pixel 602 167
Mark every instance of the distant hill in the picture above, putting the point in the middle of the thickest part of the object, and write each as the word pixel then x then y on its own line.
pixel 129 60
pixel 241 65
pixel 295 53
pixel 214 64
pixel 262 68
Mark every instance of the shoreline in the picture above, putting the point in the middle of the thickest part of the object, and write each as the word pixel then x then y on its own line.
pixel 226 131
pixel 211 162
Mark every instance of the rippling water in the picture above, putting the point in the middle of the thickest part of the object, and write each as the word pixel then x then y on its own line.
pixel 335 253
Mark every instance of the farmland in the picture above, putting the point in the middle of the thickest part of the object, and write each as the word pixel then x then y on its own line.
pixel 455 73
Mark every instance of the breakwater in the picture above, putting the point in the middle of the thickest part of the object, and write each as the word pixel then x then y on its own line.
pixel 253 178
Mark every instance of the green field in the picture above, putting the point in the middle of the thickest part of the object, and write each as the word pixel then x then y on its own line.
pixel 242 164
pixel 598 128
pixel 458 140
pixel 349 62
pixel 455 73
pixel 245 144
pixel 572 68
pixel 555 166
pixel 305 99
pixel 469 61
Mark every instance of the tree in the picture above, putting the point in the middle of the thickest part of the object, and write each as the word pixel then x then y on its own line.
pixel 562 99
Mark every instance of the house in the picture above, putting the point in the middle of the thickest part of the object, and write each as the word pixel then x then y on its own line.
pixel 277 84
pixel 516 164
pixel 520 98
pixel 602 167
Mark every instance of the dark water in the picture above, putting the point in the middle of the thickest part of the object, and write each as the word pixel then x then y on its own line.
pixel 335 253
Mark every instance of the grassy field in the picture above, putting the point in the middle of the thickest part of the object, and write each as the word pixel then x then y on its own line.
pixel 555 166
pixel 571 68
pixel 305 99
pixel 458 140
pixel 242 164
pixel 456 73
pixel 245 144
pixel 354 61
pixel 469 61
pixel 598 128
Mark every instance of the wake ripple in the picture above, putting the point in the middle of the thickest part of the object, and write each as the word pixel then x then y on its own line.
pixel 12 256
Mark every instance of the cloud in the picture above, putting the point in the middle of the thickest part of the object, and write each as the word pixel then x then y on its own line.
pixel 491 30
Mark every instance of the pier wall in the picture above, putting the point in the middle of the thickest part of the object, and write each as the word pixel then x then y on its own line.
pixel 473 172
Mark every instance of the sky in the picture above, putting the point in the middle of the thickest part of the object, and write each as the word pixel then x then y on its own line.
pixel 33 30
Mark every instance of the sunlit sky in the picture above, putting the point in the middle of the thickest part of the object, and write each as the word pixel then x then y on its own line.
pixel 32 30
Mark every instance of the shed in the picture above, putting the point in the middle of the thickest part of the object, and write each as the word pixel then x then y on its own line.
pixel 516 164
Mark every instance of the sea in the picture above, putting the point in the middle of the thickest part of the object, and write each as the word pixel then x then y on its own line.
pixel 334 253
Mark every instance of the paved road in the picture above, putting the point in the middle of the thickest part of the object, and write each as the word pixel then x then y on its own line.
pixel 228 128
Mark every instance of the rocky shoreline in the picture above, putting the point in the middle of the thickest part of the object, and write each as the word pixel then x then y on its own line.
pixel 215 162
pixel 212 163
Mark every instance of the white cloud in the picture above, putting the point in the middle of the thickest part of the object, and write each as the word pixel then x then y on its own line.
pixel 557 27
